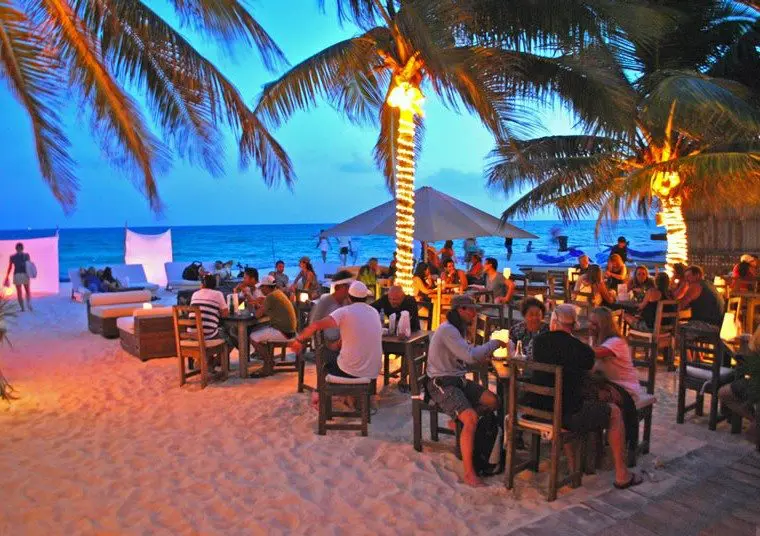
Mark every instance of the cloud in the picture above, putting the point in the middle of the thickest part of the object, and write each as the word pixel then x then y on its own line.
pixel 358 164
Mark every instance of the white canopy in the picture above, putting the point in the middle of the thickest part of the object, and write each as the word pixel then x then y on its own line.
pixel 43 252
pixel 152 251
pixel 437 217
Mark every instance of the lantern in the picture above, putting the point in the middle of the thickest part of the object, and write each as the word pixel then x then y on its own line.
pixel 501 335
pixel 147 306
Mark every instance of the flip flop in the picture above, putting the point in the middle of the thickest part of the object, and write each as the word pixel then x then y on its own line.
pixel 635 480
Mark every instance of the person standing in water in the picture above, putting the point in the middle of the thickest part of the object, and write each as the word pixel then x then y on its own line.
pixel 344 242
pixel 20 276
pixel 323 244
pixel 508 245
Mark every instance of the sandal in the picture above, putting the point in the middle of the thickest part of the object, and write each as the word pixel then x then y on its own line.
pixel 635 480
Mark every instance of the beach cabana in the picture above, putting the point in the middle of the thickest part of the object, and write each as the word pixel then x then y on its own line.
pixel 437 217
pixel 150 250
pixel 42 247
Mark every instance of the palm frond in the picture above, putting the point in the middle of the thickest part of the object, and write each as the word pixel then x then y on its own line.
pixel 364 13
pixel 34 79
pixel 229 21
pixel 125 135
pixel 325 74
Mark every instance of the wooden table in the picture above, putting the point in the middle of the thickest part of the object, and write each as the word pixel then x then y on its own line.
pixel 393 344
pixel 243 321
pixel 501 371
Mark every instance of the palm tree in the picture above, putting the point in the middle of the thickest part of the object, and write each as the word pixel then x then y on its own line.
pixel 694 141
pixel 420 46
pixel 102 46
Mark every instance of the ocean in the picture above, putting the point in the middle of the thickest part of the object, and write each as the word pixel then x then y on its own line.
pixel 261 245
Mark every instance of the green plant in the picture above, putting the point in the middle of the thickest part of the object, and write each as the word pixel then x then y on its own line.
pixel 7 310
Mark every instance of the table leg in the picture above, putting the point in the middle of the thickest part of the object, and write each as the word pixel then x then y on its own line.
pixel 403 385
pixel 243 349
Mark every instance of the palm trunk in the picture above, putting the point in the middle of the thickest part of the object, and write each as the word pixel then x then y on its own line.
pixel 405 200
pixel 675 227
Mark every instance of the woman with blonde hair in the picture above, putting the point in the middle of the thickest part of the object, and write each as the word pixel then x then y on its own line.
pixel 591 283
pixel 613 355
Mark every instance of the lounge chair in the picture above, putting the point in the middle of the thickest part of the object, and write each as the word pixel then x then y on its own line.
pixel 129 275
pixel 104 308
pixel 174 279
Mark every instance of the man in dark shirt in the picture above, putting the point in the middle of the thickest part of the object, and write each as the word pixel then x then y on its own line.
pixel 395 302
pixel 579 414
pixel 621 248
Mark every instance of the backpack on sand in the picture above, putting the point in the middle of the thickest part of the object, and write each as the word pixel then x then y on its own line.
pixel 487 452
pixel 192 272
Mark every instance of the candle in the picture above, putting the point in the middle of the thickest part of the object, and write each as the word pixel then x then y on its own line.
pixel 507 273
pixel 147 306
pixel 303 297
pixel 501 335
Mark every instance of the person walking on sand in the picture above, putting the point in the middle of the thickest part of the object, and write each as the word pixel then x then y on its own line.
pixel 344 243
pixel 18 262
pixel 323 244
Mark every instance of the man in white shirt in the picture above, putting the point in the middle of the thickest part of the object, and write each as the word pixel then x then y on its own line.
pixel 361 352
pixel 213 307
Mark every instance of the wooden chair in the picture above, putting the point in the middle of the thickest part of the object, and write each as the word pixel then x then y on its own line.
pixel 329 386
pixel 480 333
pixel 278 352
pixel 701 369
pixel 752 319
pixel 663 334
pixel 194 347
pixel 646 401
pixel 559 285
pixel 420 402
pixel 548 425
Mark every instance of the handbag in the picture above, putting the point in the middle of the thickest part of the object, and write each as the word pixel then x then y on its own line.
pixel 31 269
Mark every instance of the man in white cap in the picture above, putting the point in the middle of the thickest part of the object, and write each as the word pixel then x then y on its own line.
pixel 282 319
pixel 579 414
pixel 361 348
pixel 328 304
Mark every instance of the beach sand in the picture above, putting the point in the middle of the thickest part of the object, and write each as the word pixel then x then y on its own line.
pixel 99 442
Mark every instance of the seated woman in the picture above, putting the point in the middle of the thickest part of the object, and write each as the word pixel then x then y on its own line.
pixel 90 279
pixel 533 324
pixel 475 273
pixel 434 263
pixel 108 282
pixel 644 319
pixel 592 284
pixel 368 274
pixel 745 280
pixel 447 251
pixel 452 277
pixel 306 280
pixel 616 272
pixel 423 284
pixel 749 259
pixel 678 284
pixel 613 356
pixel 640 283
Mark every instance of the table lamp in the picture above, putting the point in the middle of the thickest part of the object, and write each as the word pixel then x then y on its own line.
pixel 501 335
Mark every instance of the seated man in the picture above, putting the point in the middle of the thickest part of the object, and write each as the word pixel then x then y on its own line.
pixel 361 336
pixel 325 306
pixel 368 274
pixel 213 308
pixel 703 299
pixel 583 264
pixel 247 289
pixel 461 399
pixel 502 288
pixel 396 301
pixel 280 277
pixel 282 320
pixel 579 414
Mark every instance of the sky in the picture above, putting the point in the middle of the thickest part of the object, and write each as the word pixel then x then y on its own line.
pixel 336 176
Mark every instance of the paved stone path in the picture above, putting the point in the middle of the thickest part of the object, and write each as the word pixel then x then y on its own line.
pixel 705 492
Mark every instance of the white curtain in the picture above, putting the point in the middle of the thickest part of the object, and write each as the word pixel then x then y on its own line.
pixel 43 252
pixel 152 251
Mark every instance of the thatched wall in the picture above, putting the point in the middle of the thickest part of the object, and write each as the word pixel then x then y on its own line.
pixel 716 242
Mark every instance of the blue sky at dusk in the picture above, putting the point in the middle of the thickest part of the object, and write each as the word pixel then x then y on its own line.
pixel 332 158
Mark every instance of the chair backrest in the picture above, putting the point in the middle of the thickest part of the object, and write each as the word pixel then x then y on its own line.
pixel 644 356
pixel 753 314
pixel 559 285
pixel 417 370
pixel 665 318
pixel 521 373
pixel 482 328
pixel 700 348
pixel 134 272
pixel 187 318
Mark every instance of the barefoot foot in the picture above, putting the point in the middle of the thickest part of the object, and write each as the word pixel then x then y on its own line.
pixel 473 480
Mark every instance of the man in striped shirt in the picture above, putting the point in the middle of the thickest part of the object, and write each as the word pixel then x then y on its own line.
pixel 213 308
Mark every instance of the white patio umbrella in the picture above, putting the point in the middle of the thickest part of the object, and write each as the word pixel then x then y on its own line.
pixel 437 217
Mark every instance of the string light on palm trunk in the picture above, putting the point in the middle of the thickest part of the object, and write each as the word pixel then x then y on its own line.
pixel 408 99
pixel 671 217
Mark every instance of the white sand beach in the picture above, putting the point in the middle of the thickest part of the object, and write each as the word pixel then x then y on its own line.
pixel 99 442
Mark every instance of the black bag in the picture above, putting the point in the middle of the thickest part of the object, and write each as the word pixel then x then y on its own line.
pixel 192 272
pixel 488 436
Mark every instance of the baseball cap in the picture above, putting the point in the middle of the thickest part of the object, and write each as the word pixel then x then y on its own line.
pixel 267 281
pixel 462 300
pixel 358 290
pixel 304 259
pixel 621 239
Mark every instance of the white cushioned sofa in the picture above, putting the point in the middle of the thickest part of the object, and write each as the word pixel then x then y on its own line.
pixel 148 333
pixel 104 308
pixel 129 275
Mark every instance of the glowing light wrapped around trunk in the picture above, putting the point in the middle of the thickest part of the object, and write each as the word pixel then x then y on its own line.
pixel 671 217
